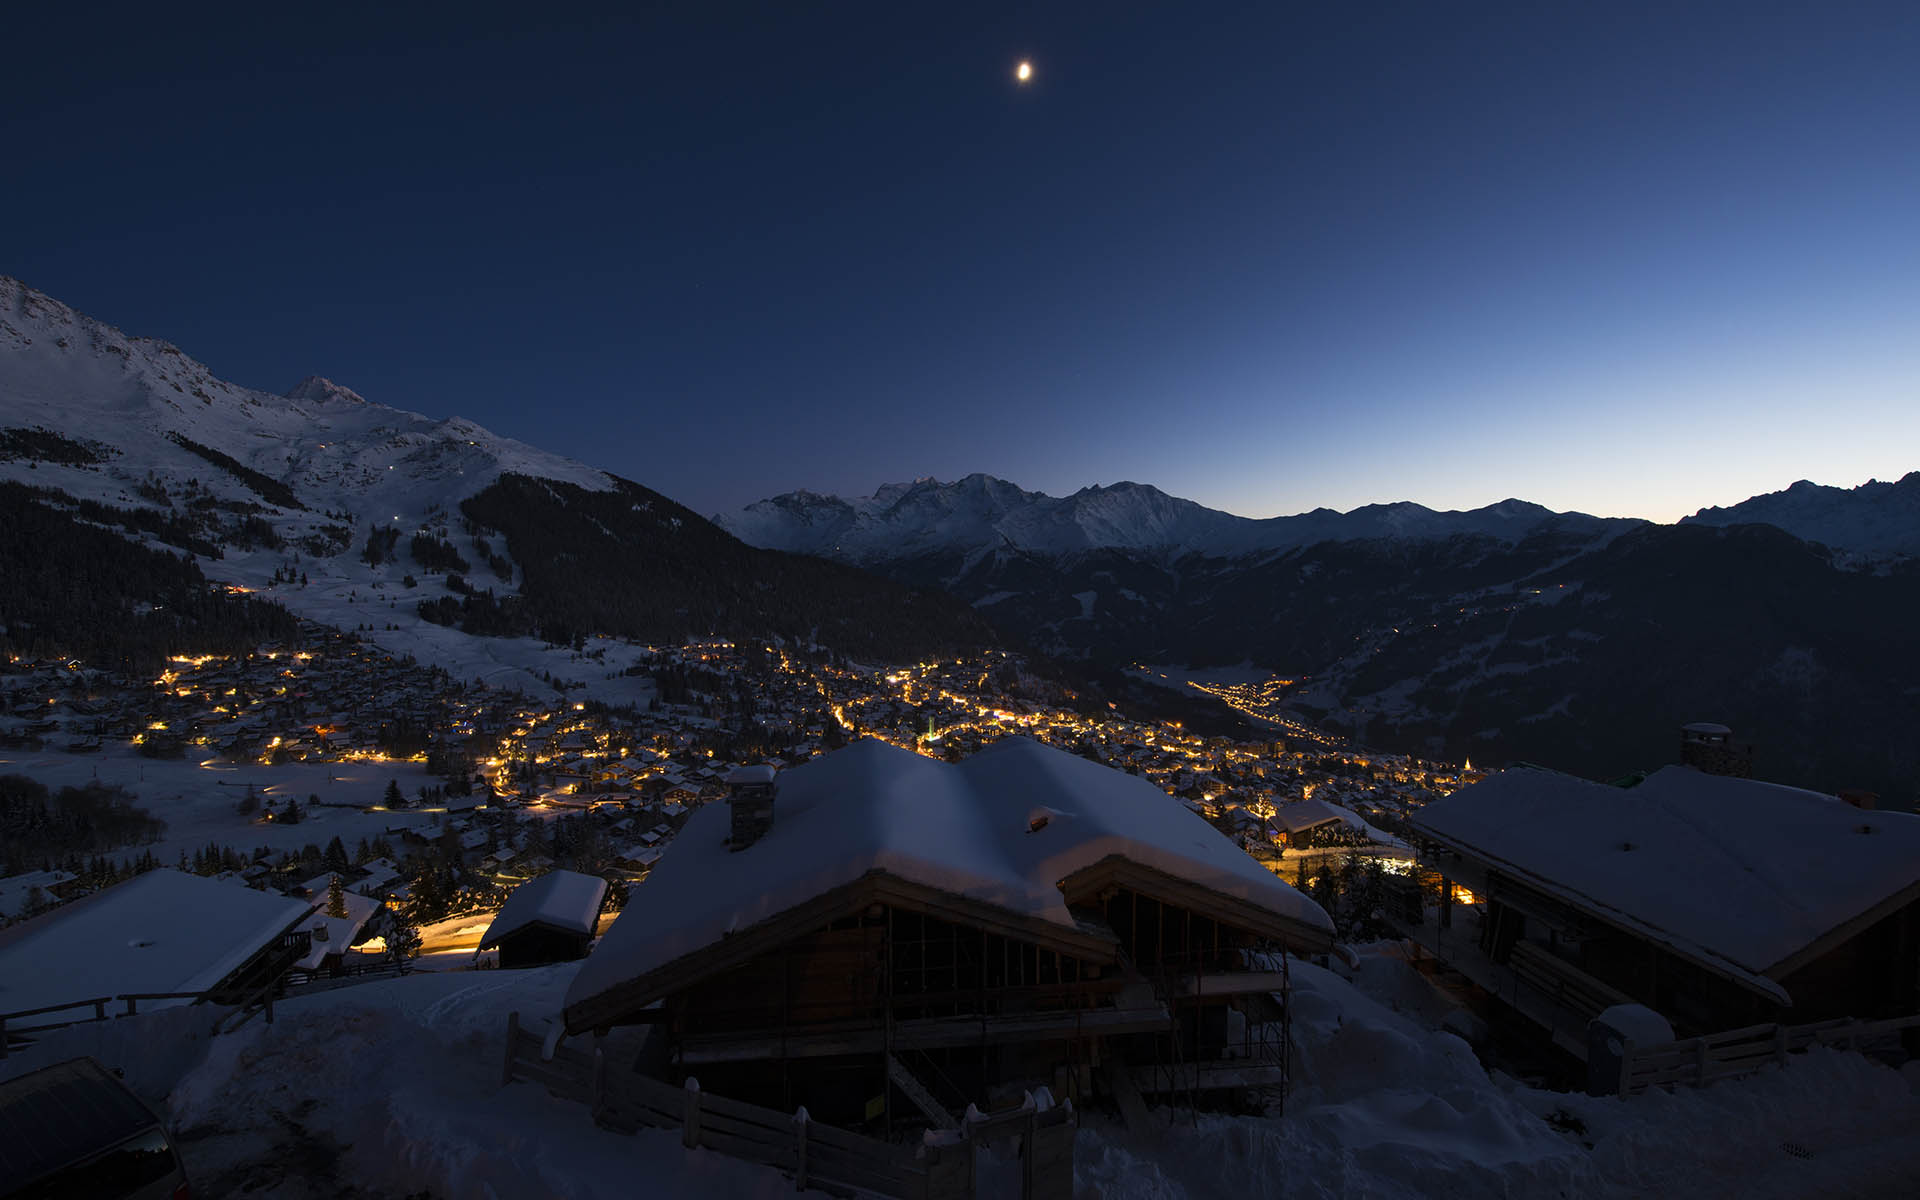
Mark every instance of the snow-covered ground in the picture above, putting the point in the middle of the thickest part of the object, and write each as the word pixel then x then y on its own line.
pixel 393 1087
pixel 199 802
pixel 346 593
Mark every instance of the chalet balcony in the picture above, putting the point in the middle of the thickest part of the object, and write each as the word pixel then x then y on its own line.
pixel 264 971
pixel 1552 993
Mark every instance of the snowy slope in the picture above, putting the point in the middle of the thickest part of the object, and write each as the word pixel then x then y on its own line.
pixel 981 512
pixel 350 463
pixel 63 371
pixel 1876 519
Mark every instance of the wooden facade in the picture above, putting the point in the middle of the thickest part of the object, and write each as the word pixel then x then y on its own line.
pixel 538 945
pixel 830 1004
pixel 1868 968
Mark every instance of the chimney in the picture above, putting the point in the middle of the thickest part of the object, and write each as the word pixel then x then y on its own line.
pixel 750 797
pixel 1710 749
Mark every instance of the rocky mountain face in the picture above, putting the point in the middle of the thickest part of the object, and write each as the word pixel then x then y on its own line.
pixel 1871 523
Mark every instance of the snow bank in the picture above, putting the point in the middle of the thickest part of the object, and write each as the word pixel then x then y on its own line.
pixel 394 1088
pixel 1387 1107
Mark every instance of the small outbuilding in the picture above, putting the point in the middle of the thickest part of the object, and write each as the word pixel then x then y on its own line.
pixel 548 919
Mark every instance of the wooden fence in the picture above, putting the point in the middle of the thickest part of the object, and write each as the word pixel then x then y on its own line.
pixel 10 1026
pixel 385 967
pixel 1701 1060
pixel 813 1154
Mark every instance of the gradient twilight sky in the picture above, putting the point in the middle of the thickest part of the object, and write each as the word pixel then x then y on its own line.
pixel 1625 258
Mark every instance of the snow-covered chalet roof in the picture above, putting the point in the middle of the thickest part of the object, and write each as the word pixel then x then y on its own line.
pixel 163 931
pixel 1302 815
pixel 961 828
pixel 1724 870
pixel 340 931
pixel 566 900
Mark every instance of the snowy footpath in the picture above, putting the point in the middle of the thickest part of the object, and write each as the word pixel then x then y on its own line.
pixel 392 1089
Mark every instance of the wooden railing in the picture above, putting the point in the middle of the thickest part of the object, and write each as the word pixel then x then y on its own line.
pixel 1570 988
pixel 815 1155
pixel 10 1029
pixel 1701 1060
pixel 387 966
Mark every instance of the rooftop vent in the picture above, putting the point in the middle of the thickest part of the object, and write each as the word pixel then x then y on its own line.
pixel 750 792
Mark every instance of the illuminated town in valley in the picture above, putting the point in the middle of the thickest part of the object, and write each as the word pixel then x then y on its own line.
pixel 626 777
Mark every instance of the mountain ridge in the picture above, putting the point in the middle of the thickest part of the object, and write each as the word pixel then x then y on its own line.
pixel 1875 519
pixel 980 511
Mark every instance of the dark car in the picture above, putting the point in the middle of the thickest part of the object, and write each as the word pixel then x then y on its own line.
pixel 72 1130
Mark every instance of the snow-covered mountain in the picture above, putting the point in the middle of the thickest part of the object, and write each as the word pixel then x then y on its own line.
pixel 980 512
pixel 67 373
pixel 1876 519
pixel 435 537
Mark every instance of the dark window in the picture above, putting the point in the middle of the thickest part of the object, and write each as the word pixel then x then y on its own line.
pixel 121 1171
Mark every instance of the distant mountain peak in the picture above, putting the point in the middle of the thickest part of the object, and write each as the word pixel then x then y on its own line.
pixel 319 387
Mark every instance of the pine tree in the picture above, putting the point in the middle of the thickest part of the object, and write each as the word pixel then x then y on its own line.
pixel 249 802
pixel 394 797
pixel 403 942
pixel 336 854
pixel 336 897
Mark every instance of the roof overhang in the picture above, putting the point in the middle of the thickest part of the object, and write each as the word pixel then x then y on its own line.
pixel 615 1004
pixel 1090 883
pixel 1845 931
pixel 493 939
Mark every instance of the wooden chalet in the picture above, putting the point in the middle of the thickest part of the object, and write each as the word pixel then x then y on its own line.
pixel 1716 900
pixel 877 926
pixel 548 919
pixel 160 939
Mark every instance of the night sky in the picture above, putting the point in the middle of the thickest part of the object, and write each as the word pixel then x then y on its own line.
pixel 1630 259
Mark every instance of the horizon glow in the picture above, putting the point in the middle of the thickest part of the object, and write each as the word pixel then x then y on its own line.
pixel 1268 261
